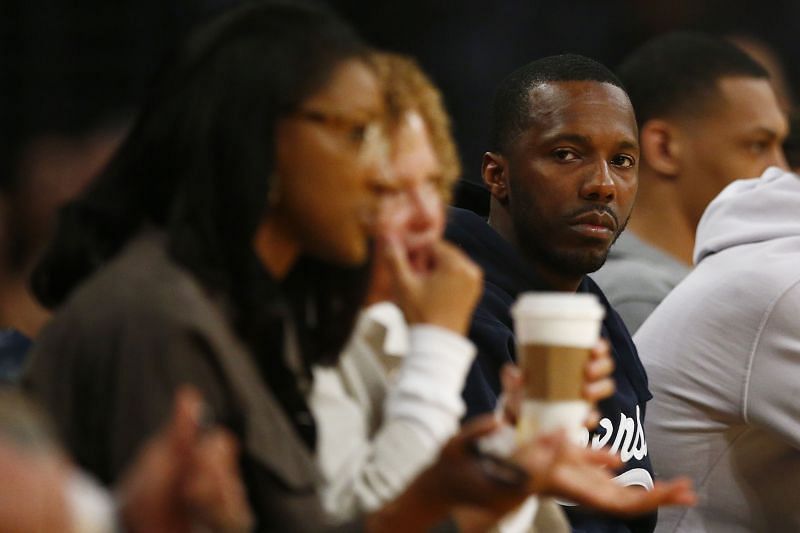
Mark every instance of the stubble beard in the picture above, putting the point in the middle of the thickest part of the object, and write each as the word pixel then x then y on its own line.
pixel 532 238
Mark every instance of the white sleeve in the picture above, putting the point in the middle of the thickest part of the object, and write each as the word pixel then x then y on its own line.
pixel 773 382
pixel 429 383
pixel 91 507
pixel 422 409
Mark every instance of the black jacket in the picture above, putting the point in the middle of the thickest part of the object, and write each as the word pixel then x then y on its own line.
pixel 506 275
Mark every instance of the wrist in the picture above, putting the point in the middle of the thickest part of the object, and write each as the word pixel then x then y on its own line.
pixel 451 322
pixel 422 505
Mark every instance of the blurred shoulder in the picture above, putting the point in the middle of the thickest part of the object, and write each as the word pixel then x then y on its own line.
pixel 141 292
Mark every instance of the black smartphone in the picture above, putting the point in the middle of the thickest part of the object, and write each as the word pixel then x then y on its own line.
pixel 500 470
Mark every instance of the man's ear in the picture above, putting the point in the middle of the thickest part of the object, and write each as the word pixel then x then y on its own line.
pixel 494 169
pixel 661 147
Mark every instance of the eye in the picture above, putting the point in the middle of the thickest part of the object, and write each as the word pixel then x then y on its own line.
pixel 565 155
pixel 758 147
pixel 623 161
pixel 435 183
pixel 357 133
pixel 386 190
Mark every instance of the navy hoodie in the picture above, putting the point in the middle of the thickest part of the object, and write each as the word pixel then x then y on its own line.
pixel 506 275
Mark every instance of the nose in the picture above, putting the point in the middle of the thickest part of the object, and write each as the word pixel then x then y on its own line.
pixel 382 186
pixel 425 208
pixel 378 160
pixel 600 185
pixel 778 158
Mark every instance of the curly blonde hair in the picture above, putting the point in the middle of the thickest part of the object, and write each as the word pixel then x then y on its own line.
pixel 408 88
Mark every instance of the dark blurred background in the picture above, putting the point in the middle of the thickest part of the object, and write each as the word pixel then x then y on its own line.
pixel 468 46
pixel 72 66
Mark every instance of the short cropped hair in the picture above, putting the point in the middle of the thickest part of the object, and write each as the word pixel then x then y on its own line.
pixel 511 106
pixel 677 73
pixel 409 89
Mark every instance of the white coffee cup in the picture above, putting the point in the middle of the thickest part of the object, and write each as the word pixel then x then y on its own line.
pixel 554 332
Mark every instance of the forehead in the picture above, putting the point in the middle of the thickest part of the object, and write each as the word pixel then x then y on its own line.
pixel 746 103
pixel 413 151
pixel 352 85
pixel 596 110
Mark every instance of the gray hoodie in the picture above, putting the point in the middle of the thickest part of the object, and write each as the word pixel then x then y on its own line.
pixel 723 356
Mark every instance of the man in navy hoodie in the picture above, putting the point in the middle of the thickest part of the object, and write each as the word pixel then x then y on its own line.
pixel 562 173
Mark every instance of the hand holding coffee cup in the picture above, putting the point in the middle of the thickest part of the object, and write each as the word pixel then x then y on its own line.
pixel 555 334
pixel 598 384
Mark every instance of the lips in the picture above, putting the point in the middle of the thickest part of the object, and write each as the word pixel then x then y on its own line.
pixel 595 224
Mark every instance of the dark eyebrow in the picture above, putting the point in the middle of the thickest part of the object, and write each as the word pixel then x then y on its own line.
pixel 576 138
pixel 761 130
pixel 628 145
pixel 585 140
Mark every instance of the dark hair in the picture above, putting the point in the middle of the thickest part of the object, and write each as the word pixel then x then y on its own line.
pixel 511 106
pixel 104 80
pixel 678 72
pixel 791 146
pixel 198 163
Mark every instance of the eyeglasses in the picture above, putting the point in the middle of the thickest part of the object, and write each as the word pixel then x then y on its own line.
pixel 367 136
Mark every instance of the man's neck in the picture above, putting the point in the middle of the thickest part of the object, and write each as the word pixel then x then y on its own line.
pixel 19 310
pixel 500 221
pixel 554 280
pixel 659 221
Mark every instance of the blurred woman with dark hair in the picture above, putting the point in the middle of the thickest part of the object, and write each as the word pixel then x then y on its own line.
pixel 225 246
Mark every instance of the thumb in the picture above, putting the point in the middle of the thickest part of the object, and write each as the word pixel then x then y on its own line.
pixel 513 391
pixel 397 259
pixel 477 427
pixel 511 379
pixel 184 425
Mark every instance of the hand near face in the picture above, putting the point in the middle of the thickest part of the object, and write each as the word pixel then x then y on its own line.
pixel 186 476
pixel 443 292
pixel 598 383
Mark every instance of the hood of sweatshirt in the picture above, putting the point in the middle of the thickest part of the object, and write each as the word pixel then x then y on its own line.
pixel 498 258
pixel 750 211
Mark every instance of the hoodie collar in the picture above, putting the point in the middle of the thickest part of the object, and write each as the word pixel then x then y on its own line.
pixel 503 264
pixel 750 211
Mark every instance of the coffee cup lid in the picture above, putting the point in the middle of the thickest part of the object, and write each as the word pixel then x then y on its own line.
pixel 558 305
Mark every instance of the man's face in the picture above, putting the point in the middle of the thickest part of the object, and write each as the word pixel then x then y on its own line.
pixel 414 213
pixel 572 175
pixel 739 136
pixel 54 169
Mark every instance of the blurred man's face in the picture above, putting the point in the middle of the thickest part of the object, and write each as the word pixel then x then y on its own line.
pixel 53 169
pixel 739 136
